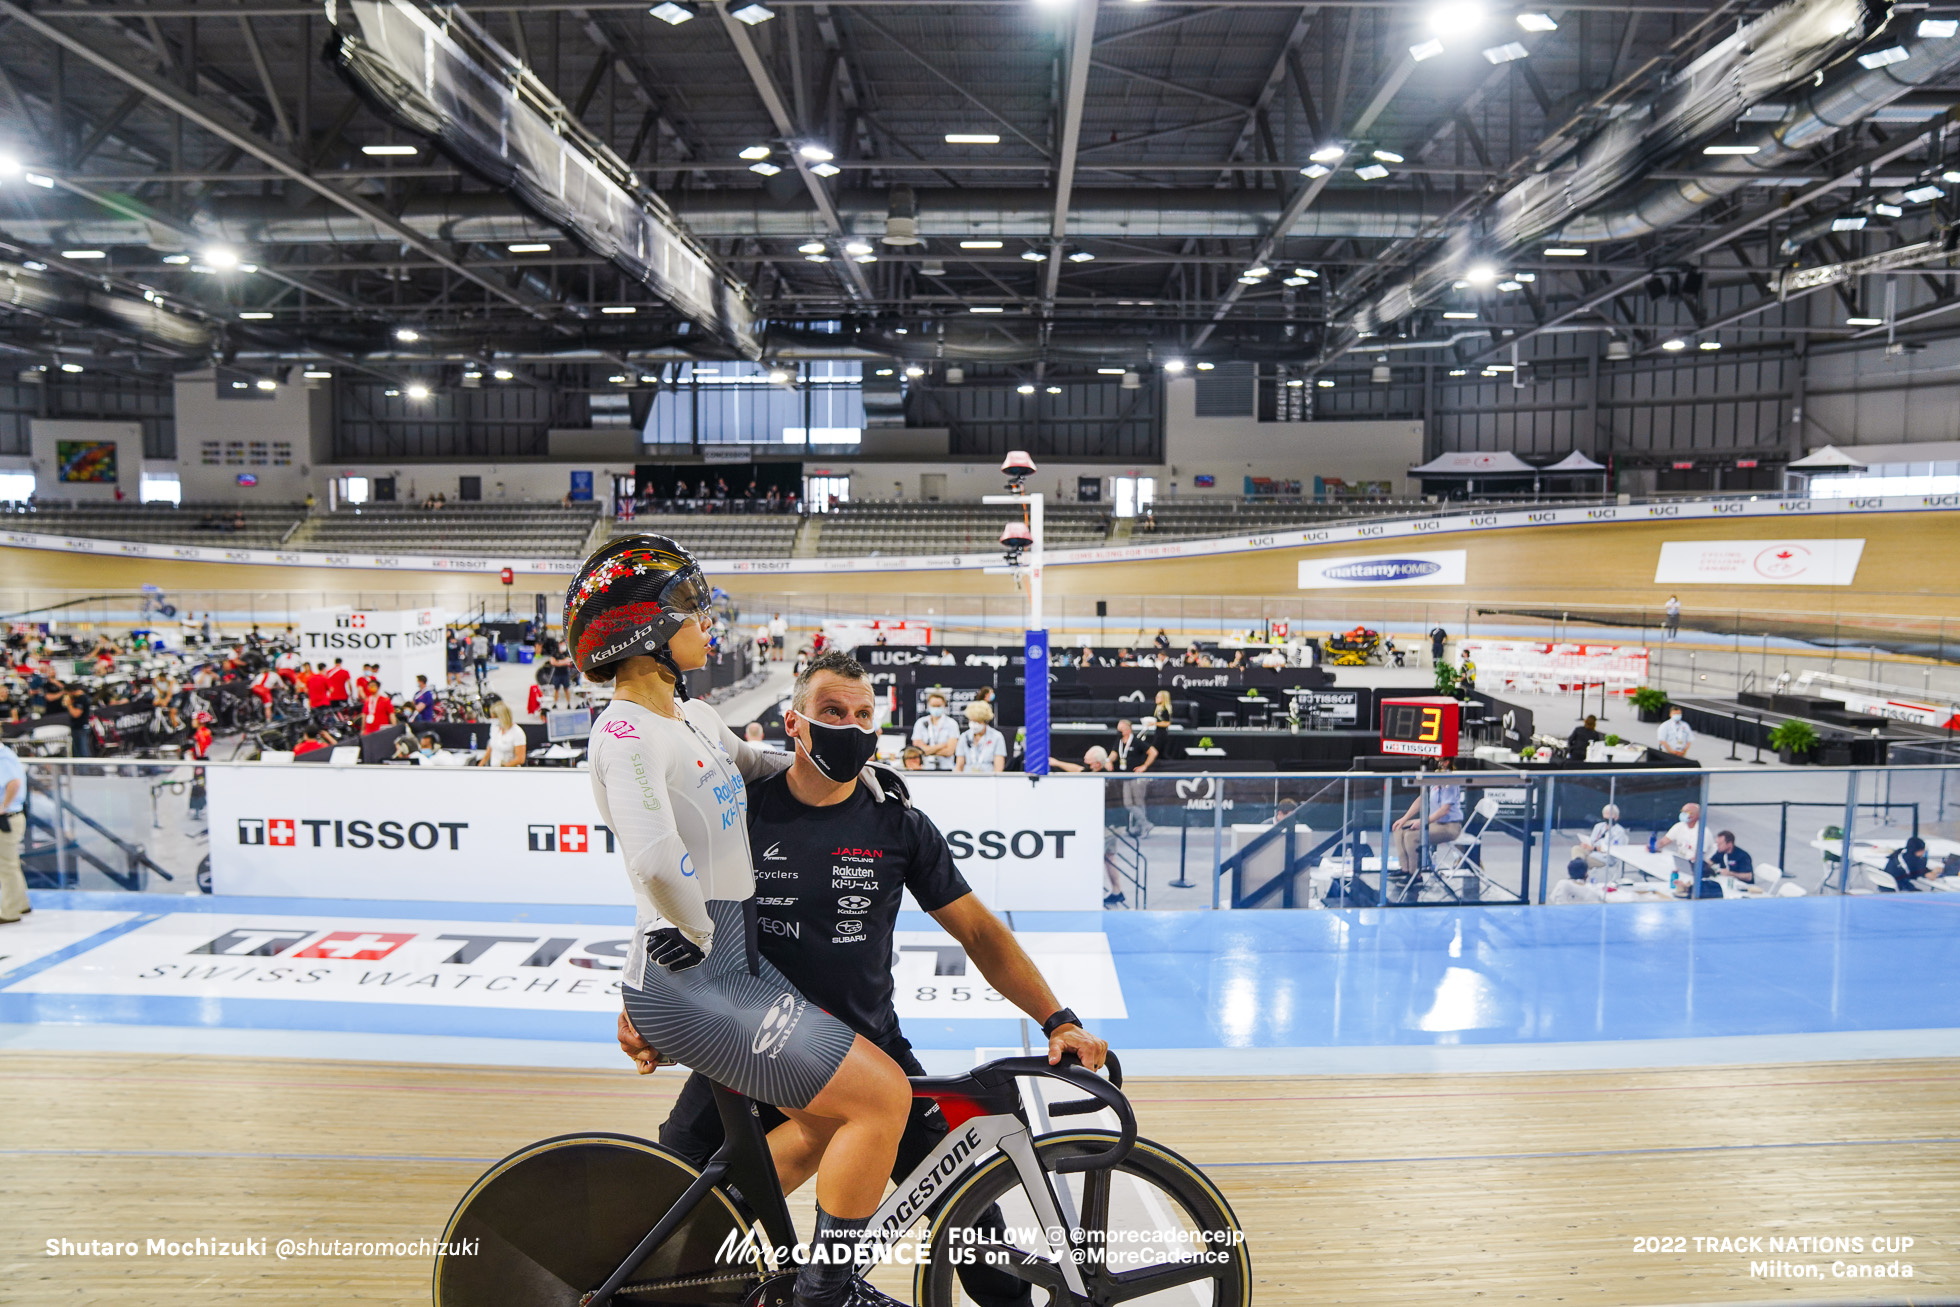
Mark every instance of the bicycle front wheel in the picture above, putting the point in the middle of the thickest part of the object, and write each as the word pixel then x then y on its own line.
pixel 550 1222
pixel 1152 1230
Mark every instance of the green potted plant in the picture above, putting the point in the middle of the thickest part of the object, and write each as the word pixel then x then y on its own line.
pixel 1612 740
pixel 1794 741
pixel 1445 679
pixel 1649 703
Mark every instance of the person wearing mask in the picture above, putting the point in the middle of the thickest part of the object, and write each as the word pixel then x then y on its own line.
pixel 1908 864
pixel 1675 735
pixel 1673 622
pixel 1582 738
pixel 506 748
pixel 13 827
pixel 377 709
pixel 1683 836
pixel 1575 888
pixel 980 748
pixel 1466 675
pixel 810 820
pixel 936 735
pixel 1607 835
pixel 1445 822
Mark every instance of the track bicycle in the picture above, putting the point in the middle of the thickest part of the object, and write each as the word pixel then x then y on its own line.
pixel 1087 1216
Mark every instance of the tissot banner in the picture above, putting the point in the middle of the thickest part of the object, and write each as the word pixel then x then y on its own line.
pixel 1758 562
pixel 533 835
pixel 1410 567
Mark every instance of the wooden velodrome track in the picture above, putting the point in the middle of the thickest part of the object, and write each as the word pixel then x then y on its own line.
pixel 1408 1189
pixel 1910 567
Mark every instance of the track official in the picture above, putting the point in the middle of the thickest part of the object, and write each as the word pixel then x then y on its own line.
pixel 833 858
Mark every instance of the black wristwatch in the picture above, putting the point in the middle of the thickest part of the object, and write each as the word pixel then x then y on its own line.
pixel 1062 1017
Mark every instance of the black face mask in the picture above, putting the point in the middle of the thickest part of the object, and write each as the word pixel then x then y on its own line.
pixel 839 751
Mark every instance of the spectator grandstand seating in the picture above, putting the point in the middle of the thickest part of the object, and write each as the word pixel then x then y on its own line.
pixel 1197 519
pixel 265 525
pixel 525 530
pixel 722 535
pixel 871 527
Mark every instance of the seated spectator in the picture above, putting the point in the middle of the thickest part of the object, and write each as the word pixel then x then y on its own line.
pixel 1727 860
pixel 1575 888
pixel 426 749
pixel 1905 865
pixel 1607 835
pixel 1273 660
pixel 507 743
pixel 1087 657
pixel 1282 810
pixel 980 748
pixel 912 759
pixel 404 749
pixel 315 738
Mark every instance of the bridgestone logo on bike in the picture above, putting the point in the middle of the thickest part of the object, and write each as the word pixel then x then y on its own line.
pixel 920 1195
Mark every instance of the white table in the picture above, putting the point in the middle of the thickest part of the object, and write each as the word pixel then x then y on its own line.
pixel 1661 865
pixel 1873 853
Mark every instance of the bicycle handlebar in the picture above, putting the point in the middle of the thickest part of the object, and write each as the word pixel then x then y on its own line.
pixel 1102 1094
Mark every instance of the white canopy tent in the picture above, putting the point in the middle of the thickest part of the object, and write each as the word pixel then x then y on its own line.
pixel 1475 463
pixel 1828 459
pixel 1574 462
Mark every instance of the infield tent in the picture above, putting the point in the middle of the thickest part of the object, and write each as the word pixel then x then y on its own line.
pixel 1473 465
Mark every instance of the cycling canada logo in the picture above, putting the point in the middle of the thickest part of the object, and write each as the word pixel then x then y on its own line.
pixel 772 1035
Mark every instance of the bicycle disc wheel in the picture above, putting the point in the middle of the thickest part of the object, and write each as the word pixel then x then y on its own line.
pixel 1155 1231
pixel 554 1219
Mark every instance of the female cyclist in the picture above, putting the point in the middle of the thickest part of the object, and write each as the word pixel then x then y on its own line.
pixel 668 777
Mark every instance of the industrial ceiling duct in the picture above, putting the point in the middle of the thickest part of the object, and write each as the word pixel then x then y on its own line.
pixel 902 220
pixel 437 74
pixel 50 297
pixel 1793 41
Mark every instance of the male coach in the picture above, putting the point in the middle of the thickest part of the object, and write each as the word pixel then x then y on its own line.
pixel 832 859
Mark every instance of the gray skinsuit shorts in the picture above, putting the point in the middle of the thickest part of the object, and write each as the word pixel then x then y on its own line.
pixel 751 1032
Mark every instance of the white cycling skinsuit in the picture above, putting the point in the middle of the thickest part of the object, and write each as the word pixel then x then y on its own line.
pixel 675 797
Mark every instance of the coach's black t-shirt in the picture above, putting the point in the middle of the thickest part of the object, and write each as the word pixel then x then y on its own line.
pixel 828 883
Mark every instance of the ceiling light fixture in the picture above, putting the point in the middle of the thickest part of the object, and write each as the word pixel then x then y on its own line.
pixel 1025 388
pixel 765 168
pixel 71 367
pixel 1295 384
pixel 1206 367
pixel 856 247
pixel 1329 154
pixel 979 245
pixel 1881 58
pixel 1308 273
pixel 1293 281
pixel 1371 172
pixel 1482 274
pixel 530 247
pixel 1731 149
pixel 673 12
pixel 1506 53
pixel 1258 270
pixel 1324 384
pixel 1459 372
pixel 972 138
pixel 825 169
pixel 1565 252
pixel 864 258
pixel 1456 19
pixel 753 152
pixel 1427 50
pixel 1537 22
pixel 1508 286
pixel 1109 372
pixel 1173 365
pixel 816 258
pixel 810 247
pixel 391 151
pixel 176 258
pixel 1711 346
pixel 815 153
pixel 418 391
pixel 1034 256
pixel 317 374
pixel 985 308
pixel 1388 156
pixel 266 383
pixel 255 315
pixel 619 308
pixel 1315 170
pixel 85 254
pixel 1455 316
pixel 1925 194
pixel 1675 345
pixel 1937 29
pixel 1524 276
pixel 1856 222
pixel 221 257
pixel 407 335
pixel 1864 322
pixel 1248 281
pixel 1888 211
pixel 503 374
pixel 1054 390
pixel 752 13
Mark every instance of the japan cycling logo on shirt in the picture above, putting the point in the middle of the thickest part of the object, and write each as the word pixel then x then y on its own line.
pixel 772 1034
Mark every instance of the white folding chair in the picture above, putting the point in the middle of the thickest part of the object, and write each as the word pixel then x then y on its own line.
pixel 1463 856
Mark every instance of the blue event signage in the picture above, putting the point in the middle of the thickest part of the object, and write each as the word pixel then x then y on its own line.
pixel 582 487
pixel 1384 569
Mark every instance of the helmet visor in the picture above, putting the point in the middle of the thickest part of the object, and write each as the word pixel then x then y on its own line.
pixel 688 594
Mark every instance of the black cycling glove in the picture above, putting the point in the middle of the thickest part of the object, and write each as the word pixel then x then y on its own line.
pixel 673 950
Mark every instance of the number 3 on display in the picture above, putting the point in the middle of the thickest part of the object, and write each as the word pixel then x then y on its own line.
pixel 1432 725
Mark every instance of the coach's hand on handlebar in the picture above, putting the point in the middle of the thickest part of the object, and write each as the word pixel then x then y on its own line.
pixel 1088 1050
pixel 645 1058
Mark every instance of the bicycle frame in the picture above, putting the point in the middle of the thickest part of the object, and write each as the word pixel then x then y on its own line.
pixel 983 1112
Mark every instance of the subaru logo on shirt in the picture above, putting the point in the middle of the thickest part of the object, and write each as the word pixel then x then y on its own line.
pixel 854 903
pixel 849 927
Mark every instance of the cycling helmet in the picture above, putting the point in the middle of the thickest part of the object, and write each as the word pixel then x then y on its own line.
pixel 630 598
